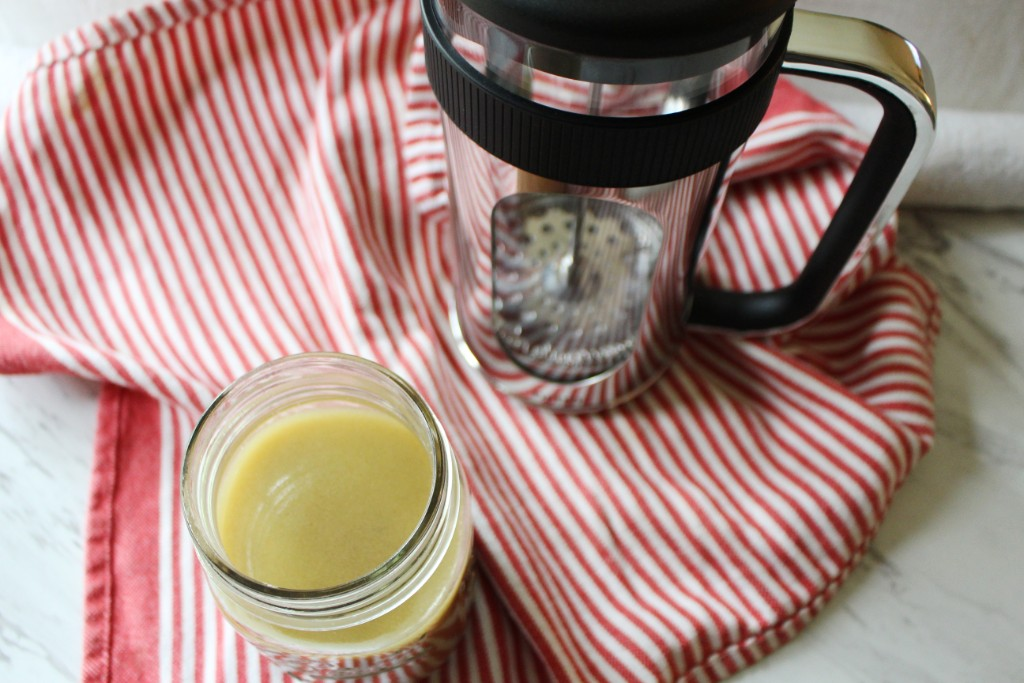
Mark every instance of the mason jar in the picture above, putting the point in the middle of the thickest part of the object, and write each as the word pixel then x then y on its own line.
pixel 403 616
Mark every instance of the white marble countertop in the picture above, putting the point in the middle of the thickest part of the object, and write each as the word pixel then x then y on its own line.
pixel 940 596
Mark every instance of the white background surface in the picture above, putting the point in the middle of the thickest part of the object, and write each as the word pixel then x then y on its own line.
pixel 940 596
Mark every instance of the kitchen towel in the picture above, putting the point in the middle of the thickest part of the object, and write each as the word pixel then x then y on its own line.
pixel 195 187
pixel 977 162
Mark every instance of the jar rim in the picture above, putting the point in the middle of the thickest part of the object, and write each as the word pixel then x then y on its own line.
pixel 365 590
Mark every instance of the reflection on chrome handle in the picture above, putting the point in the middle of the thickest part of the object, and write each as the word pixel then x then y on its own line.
pixel 880 63
pixel 850 50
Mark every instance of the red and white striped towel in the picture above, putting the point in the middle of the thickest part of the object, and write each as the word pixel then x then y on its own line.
pixel 197 187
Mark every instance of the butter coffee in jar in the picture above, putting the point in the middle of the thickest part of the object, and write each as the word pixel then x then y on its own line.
pixel 331 518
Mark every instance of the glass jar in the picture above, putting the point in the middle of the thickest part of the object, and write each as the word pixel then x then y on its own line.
pixel 405 616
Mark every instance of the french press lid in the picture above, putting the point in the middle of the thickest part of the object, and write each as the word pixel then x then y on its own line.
pixel 632 29
pixel 607 41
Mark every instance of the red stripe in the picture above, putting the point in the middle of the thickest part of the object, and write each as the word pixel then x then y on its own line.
pixel 366 154
pixel 482 463
pixel 175 546
pixel 163 190
pixel 642 607
pixel 153 87
pixel 780 406
pixel 763 422
pixel 548 604
pixel 131 276
pixel 225 113
pixel 184 52
pixel 290 32
pixel 62 334
pixel 297 300
pixel 746 524
pixel 690 656
pixel 79 282
pixel 132 482
pixel 745 431
pixel 170 82
pixel 796 220
pixel 772 258
pixel 378 69
pixel 335 216
pixel 705 547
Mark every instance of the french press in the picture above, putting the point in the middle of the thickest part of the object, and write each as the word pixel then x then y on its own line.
pixel 589 147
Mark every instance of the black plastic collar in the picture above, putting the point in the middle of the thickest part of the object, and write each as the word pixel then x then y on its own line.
pixel 594 150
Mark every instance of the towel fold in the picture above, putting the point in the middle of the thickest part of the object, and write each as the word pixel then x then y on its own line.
pixel 193 188
pixel 977 162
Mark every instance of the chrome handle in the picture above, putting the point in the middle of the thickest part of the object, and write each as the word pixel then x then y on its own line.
pixel 890 69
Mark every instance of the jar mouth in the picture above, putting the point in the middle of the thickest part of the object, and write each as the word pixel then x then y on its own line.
pixel 377 587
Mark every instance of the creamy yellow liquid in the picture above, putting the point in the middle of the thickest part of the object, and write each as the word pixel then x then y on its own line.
pixel 319 498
